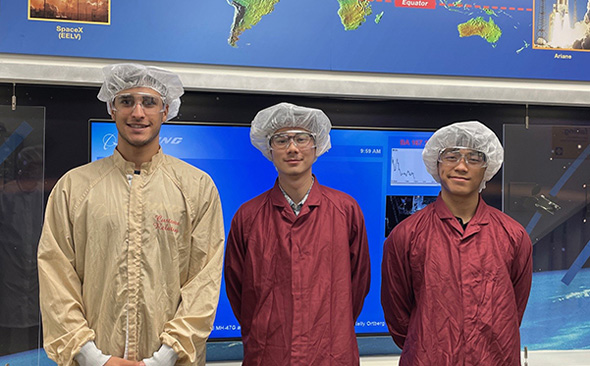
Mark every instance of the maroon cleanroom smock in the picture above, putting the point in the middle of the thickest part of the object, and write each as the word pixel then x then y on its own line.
pixel 297 283
pixel 453 296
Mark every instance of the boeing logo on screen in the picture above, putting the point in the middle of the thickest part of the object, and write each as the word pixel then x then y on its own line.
pixel 110 140
pixel 170 140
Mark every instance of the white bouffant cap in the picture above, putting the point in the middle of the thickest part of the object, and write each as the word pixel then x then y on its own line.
pixel 473 135
pixel 282 115
pixel 119 77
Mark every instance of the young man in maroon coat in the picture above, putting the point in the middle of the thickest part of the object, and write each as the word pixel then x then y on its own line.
pixel 457 274
pixel 297 264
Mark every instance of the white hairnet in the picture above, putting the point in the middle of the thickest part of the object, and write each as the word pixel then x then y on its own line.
pixel 119 77
pixel 282 115
pixel 473 135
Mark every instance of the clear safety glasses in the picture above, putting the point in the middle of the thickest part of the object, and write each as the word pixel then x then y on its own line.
pixel 301 140
pixel 453 155
pixel 150 103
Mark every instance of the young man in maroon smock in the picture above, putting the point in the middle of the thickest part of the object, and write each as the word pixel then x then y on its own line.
pixel 457 274
pixel 297 264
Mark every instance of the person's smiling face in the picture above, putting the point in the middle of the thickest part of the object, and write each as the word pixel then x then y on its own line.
pixel 139 126
pixel 460 178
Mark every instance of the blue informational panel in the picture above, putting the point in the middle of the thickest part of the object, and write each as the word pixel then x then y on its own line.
pixel 539 39
pixel 381 169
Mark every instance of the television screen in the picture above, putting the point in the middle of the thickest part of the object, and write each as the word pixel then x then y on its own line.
pixel 381 169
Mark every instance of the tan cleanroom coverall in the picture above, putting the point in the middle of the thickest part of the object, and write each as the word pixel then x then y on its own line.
pixel 131 261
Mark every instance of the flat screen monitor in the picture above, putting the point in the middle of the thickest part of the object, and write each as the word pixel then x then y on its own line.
pixel 382 169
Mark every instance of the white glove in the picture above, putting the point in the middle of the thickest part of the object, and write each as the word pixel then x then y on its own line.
pixel 165 356
pixel 90 355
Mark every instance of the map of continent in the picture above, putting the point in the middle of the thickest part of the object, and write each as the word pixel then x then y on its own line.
pixel 487 30
pixel 353 13
pixel 248 13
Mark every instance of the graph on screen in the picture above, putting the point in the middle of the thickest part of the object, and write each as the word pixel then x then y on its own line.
pixel 407 168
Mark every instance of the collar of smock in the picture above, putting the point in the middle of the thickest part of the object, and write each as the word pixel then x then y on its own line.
pixel 129 167
pixel 313 199
pixel 479 218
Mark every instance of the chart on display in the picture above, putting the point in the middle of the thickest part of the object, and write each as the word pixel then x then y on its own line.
pixel 538 39
pixel 407 168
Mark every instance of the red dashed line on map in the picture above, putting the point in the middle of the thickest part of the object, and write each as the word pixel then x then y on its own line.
pixel 484 7
pixel 467 6
pixel 487 7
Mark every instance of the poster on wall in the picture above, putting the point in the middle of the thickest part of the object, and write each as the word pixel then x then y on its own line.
pixel 536 39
